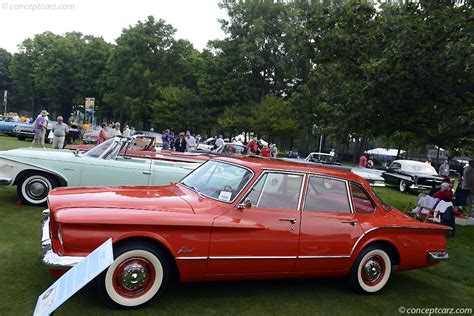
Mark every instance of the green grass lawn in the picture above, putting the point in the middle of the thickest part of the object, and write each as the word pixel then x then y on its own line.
pixel 23 278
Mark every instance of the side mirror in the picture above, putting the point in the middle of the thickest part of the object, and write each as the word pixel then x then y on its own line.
pixel 245 204
pixel 76 152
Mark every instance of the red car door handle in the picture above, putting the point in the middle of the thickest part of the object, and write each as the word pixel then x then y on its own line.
pixel 291 220
pixel 349 222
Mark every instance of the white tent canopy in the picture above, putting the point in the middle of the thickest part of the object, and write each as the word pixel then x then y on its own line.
pixel 384 152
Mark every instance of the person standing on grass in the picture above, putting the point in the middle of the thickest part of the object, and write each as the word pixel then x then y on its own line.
pixel 59 130
pixel 180 144
pixel 190 142
pixel 40 129
pixel 468 185
pixel 266 152
pixel 444 169
pixel 116 130
pixel 43 135
pixel 126 131
pixel 102 134
pixel 219 141
pixel 274 150
pixel 165 138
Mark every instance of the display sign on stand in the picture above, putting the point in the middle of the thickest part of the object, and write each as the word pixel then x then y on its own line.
pixel 75 279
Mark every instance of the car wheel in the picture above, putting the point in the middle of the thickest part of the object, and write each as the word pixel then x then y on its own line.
pixel 139 273
pixel 33 188
pixel 21 137
pixel 371 271
pixel 403 186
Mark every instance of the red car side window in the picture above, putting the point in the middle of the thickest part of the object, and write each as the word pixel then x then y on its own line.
pixel 326 195
pixel 277 191
pixel 362 202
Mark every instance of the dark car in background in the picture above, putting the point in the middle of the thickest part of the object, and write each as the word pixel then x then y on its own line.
pixel 412 175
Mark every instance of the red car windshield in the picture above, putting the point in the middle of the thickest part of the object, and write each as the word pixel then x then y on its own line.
pixel 218 180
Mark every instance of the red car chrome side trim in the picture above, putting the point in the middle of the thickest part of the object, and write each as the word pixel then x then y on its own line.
pixel 191 258
pixel 322 257
pixel 395 226
pixel 309 257
pixel 260 257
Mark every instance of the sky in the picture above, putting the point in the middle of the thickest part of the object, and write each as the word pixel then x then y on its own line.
pixel 195 20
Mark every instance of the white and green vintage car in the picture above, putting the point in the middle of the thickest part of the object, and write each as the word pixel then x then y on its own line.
pixel 35 171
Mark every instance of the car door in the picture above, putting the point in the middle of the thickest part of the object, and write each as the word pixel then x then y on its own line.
pixel 264 237
pixel 329 227
pixel 118 171
pixel 392 175
pixel 163 172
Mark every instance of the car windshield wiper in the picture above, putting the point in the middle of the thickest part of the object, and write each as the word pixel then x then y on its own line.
pixel 192 188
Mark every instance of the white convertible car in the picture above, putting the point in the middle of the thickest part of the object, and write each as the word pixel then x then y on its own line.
pixel 36 171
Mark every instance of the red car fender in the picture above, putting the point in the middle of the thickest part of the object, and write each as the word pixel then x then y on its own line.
pixel 410 244
pixel 153 237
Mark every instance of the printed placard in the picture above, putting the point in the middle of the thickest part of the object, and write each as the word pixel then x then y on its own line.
pixel 225 196
pixel 75 279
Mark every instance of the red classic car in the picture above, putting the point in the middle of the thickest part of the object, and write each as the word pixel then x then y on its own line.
pixel 233 219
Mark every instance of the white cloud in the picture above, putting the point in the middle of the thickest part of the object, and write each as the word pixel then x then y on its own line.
pixel 194 20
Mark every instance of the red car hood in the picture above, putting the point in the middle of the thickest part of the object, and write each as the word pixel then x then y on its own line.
pixel 156 198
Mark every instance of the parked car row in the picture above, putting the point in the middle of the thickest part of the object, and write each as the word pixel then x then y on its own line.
pixel 200 216
pixel 24 132
pixel 7 125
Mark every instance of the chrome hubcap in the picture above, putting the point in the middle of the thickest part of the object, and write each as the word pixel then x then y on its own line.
pixel 133 276
pixel 38 188
pixel 372 270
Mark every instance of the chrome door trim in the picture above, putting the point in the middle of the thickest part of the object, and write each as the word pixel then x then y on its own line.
pixel 308 257
pixel 322 257
pixel 191 258
pixel 251 257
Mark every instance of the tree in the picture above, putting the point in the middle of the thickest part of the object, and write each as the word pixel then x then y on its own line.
pixel 259 43
pixel 404 71
pixel 57 72
pixel 273 117
pixel 236 119
pixel 178 108
pixel 146 59
pixel 5 77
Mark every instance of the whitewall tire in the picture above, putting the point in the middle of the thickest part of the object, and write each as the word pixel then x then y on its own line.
pixel 371 271
pixel 403 186
pixel 139 273
pixel 33 188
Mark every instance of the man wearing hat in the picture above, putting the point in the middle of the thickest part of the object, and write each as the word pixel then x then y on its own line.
pixel 40 125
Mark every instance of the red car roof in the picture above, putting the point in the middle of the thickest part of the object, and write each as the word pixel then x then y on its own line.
pixel 258 163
